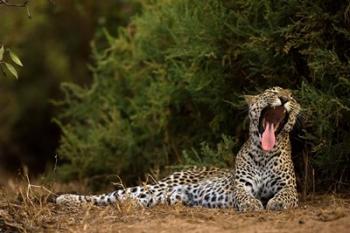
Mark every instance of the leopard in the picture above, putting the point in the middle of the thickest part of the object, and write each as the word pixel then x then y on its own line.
pixel 262 178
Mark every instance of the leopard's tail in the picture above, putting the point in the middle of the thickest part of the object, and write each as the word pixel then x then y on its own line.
pixel 102 199
pixel 146 196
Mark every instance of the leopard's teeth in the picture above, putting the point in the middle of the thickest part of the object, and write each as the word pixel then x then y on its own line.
pixel 276 126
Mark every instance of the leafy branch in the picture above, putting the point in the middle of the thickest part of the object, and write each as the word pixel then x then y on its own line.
pixel 5 64
pixel 24 4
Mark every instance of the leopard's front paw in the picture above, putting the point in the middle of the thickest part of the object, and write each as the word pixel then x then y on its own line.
pixel 250 205
pixel 275 204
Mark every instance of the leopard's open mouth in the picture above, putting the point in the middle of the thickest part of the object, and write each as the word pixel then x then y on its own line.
pixel 271 122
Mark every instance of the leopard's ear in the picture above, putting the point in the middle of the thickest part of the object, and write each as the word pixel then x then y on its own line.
pixel 249 99
pixel 287 92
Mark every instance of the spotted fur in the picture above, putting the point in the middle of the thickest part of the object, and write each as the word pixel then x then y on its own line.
pixel 259 180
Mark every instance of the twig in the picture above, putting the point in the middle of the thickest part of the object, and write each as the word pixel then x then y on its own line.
pixel 313 182
pixel 120 183
pixel 23 4
pixel 55 165
pixel 306 174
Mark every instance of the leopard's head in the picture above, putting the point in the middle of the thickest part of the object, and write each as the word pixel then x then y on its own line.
pixel 271 113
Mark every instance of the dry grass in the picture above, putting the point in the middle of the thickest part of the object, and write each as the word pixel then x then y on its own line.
pixel 24 208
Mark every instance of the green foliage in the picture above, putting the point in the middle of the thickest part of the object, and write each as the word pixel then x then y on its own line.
pixel 221 156
pixel 171 83
pixel 54 46
pixel 12 56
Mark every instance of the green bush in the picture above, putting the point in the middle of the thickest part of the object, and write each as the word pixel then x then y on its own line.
pixel 54 47
pixel 168 89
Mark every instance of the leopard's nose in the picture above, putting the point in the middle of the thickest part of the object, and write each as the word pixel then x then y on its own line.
pixel 283 99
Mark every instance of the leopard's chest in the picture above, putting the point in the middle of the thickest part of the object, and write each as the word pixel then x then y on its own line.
pixel 261 184
pixel 262 178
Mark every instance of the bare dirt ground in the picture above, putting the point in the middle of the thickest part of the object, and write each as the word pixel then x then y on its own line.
pixel 25 209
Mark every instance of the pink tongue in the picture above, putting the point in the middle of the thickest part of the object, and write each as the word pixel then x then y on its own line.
pixel 268 139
